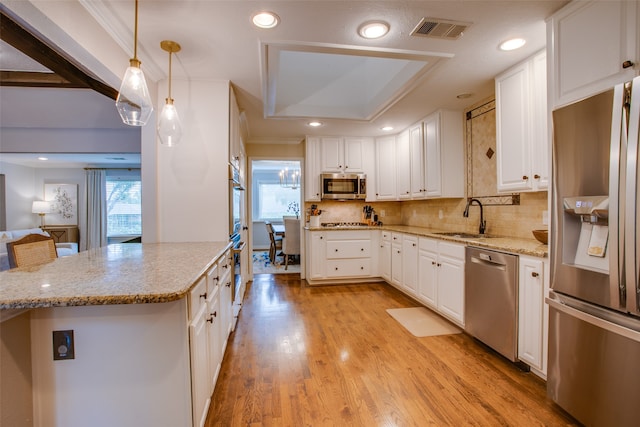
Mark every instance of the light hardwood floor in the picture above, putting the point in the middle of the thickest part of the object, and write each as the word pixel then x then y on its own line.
pixel 332 356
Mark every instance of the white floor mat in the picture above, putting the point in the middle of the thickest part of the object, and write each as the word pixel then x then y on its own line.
pixel 422 322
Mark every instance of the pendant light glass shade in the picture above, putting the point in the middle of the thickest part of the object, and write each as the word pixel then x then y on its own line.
pixel 133 101
pixel 169 127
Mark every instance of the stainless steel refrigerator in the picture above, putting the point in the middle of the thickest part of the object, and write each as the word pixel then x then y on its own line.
pixel 594 303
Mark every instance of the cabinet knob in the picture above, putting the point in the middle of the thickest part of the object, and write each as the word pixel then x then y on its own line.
pixel 414 245
pixel 433 263
pixel 361 249
pixel 525 177
pixel 536 176
pixel 534 274
pixel 398 251
pixel 321 237
pixel 627 64
pixel 228 284
pixel 438 264
pixel 336 268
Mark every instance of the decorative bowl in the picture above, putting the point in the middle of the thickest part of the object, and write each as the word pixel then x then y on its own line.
pixel 541 236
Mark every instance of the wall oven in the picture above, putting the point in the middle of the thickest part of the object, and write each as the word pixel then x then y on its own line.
pixel 236 214
pixel 343 186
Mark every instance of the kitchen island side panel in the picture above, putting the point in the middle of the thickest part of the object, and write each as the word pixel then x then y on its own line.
pixel 131 366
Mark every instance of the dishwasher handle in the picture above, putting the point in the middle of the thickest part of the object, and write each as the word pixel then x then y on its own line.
pixel 485 259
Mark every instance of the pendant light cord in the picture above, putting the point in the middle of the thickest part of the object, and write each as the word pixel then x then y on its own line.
pixel 170 54
pixel 135 34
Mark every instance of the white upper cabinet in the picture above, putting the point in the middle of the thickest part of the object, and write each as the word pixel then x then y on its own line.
pixel 521 127
pixel 416 159
pixel 312 170
pixel 386 168
pixel 403 166
pixel 343 155
pixel 592 45
pixel 444 154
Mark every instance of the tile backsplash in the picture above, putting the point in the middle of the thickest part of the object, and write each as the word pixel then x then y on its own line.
pixel 446 214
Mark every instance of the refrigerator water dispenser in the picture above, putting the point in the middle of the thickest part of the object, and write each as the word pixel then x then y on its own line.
pixel 586 232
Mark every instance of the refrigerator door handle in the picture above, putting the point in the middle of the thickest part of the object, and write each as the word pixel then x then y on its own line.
pixel 632 254
pixel 607 325
pixel 616 198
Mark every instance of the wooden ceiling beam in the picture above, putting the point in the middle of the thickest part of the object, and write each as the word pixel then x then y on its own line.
pixel 37 47
pixel 35 79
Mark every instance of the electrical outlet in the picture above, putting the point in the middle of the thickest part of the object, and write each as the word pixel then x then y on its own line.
pixel 382 212
pixel 440 214
pixel 63 345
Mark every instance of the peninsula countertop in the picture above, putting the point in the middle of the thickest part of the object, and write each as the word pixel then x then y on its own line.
pixel 499 243
pixel 126 273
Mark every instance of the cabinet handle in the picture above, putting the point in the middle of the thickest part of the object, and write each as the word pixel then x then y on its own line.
pixel 525 177
pixel 534 274
pixel 433 263
pixel 536 176
pixel 214 314
pixel 627 64
pixel 203 295
pixel 228 284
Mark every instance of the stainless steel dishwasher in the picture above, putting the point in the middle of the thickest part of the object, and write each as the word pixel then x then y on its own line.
pixel 491 299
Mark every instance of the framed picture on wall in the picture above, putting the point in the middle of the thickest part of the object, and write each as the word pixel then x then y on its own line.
pixel 64 204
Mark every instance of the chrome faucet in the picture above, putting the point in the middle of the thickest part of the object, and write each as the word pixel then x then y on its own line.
pixel 483 223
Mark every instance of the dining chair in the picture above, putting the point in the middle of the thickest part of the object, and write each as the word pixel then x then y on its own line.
pixel 32 249
pixel 275 242
pixel 291 241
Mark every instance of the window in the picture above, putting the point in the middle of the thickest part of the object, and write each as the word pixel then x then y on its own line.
pixel 272 201
pixel 124 213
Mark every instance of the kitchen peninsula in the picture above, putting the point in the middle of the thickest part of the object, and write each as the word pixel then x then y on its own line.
pixel 150 324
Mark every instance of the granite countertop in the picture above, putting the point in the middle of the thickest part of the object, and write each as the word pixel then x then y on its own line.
pixel 128 273
pixel 514 245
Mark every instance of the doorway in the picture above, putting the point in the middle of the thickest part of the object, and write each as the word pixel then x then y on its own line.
pixel 276 193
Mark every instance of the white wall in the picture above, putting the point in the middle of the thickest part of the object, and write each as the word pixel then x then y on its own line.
pixel 20 193
pixel 193 176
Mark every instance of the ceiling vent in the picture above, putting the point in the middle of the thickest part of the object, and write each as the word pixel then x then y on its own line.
pixel 440 28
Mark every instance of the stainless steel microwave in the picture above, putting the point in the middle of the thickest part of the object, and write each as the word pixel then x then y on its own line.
pixel 343 186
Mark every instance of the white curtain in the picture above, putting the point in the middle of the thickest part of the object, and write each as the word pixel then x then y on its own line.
pixel 96 208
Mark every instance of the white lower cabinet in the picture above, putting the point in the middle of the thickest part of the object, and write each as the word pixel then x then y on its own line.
pixel 384 256
pixel 441 277
pixel 410 264
pixel 396 260
pixel 342 254
pixel 532 312
pixel 210 311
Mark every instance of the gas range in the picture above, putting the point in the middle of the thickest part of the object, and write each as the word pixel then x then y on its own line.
pixel 344 224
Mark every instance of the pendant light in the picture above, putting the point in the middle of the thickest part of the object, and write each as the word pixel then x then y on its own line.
pixel 133 101
pixel 169 127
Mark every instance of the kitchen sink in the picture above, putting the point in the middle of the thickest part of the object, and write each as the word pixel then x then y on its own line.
pixel 463 235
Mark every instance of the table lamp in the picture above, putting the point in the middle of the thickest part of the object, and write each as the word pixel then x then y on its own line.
pixel 41 207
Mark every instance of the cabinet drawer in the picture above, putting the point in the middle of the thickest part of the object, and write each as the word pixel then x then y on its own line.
pixel 430 245
pixel 197 297
pixel 453 250
pixel 342 249
pixel 349 267
pixel 213 278
pixel 348 234
pixel 386 236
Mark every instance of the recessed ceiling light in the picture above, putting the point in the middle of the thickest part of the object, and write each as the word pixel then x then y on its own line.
pixel 265 20
pixel 512 44
pixel 373 29
pixel 387 128
pixel 315 124
pixel 43 158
